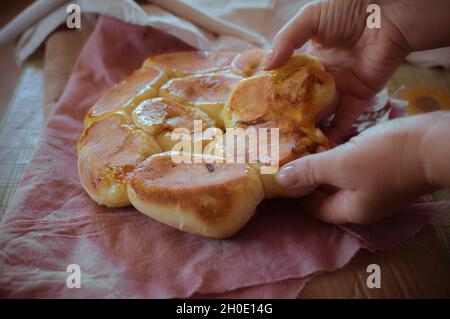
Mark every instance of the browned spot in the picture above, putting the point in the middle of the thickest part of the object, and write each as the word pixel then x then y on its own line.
pixel 427 104
pixel 190 92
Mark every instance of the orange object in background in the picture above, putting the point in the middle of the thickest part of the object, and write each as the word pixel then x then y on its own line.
pixel 423 100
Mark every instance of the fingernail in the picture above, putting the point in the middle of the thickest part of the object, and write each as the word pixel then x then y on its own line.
pixel 268 59
pixel 286 176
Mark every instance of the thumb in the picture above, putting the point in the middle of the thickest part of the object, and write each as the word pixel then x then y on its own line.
pixel 296 32
pixel 309 171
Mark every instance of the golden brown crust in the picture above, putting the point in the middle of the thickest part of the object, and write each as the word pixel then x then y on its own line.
pixel 248 62
pixel 299 96
pixel 288 99
pixel 159 117
pixel 159 114
pixel 160 180
pixel 107 151
pixel 140 85
pixel 192 62
pixel 208 92
pixel 211 194
pixel 120 159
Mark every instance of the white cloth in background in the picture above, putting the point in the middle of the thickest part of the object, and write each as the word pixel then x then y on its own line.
pixel 207 25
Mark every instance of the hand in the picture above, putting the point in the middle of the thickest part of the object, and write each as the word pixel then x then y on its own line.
pixel 376 172
pixel 360 59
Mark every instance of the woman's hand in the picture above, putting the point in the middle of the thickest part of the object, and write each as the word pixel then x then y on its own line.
pixel 376 172
pixel 360 59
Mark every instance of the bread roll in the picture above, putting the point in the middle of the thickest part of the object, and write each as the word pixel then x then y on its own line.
pixel 159 117
pixel 208 199
pixel 107 151
pixel 287 99
pixel 208 92
pixel 140 85
pixel 180 64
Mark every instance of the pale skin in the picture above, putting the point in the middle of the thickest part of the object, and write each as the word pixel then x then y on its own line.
pixel 389 165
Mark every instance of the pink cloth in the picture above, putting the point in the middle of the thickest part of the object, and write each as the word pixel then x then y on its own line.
pixel 53 223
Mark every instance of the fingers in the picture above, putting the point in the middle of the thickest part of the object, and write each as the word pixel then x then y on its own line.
pixel 293 35
pixel 350 108
pixel 341 207
pixel 337 201
pixel 308 172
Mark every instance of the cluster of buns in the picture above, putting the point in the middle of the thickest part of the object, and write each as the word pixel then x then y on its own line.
pixel 125 150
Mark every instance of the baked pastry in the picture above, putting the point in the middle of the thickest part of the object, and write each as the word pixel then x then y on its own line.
pixel 288 98
pixel 210 199
pixel 128 154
